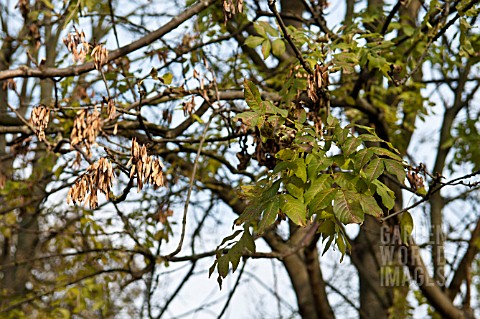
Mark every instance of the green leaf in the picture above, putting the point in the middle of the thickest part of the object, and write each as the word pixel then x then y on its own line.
pixel 282 166
pixel 278 47
pixel 345 180
pixel 326 227
pixel 65 313
pixel 340 134
pixel 270 214
pixel 370 138
pixel 387 195
pixel 347 208
pixel 167 78
pixel 317 185
pixel 351 145
pixel 222 266
pixel 422 191
pixel 328 244
pixel 197 118
pixel 294 209
pixel 378 62
pixel 295 187
pixel 268 27
pixel 252 95
pixel 406 227
pixel 362 158
pixel 322 200
pixel 370 206
pixel 395 168
pixel 316 163
pixel 266 48
pixel 212 268
pixel 234 255
pixel 230 237
pixel 253 41
pixel 258 204
pixel 301 169
pixel 272 109
pixel 248 118
pixel 260 29
pixel 251 212
pixel 342 247
pixel 369 129
pixel 374 169
pixel 247 240
pixel 287 154
pixel 383 152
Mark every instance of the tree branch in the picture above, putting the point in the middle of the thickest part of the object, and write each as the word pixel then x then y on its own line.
pixel 42 73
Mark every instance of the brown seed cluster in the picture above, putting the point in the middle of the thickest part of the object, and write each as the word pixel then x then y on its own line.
pixel 111 109
pixel 39 119
pixel 100 56
pixel 99 177
pixel 317 81
pixel 86 127
pixel 188 107
pixel 76 43
pixel 415 180
pixel 147 169
pixel 232 7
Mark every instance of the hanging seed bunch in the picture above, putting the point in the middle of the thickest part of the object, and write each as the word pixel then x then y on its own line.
pixel 39 118
pixel 99 56
pixel 111 109
pixel 77 45
pixel 99 177
pixel 232 7
pixel 317 81
pixel 147 169
pixel 86 127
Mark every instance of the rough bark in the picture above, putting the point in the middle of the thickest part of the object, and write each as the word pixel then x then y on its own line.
pixel 437 200
pixel 374 299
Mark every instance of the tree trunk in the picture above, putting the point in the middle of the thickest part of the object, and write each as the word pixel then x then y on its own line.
pixel 366 257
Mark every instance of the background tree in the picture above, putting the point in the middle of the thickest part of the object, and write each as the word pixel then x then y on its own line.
pixel 254 132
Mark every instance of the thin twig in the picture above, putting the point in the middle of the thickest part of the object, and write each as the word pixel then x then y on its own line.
pixel 232 292
pixel 390 17
pixel 455 181
pixel 190 188
pixel 298 54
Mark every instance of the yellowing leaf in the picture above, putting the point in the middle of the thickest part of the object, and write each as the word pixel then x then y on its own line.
pixel 278 47
pixel 167 78
pixel 253 41
pixel 270 214
pixel 266 48
pixel 406 227
pixel 387 195
pixel 294 209
pixel 252 95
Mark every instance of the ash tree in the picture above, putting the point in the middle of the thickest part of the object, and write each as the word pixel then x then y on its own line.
pixel 147 144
